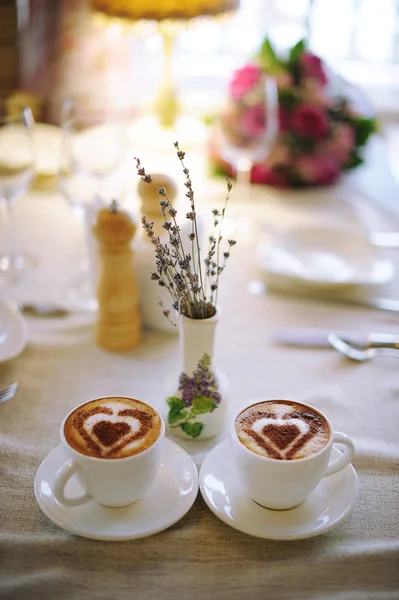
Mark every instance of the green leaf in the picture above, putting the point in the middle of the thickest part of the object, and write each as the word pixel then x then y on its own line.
pixel 288 97
pixel 201 405
pixel 363 129
pixel 296 51
pixel 354 161
pixel 177 412
pixel 175 402
pixel 193 429
pixel 267 58
pixel 218 170
pixel 175 415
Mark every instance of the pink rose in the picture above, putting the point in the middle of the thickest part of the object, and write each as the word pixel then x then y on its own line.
pixel 243 80
pixel 312 67
pixel 310 121
pixel 262 173
pixel 342 143
pixel 284 119
pixel 284 80
pixel 253 121
pixel 314 93
pixel 280 154
pixel 317 169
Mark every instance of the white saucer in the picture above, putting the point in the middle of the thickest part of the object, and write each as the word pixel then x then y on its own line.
pixel 13 332
pixel 168 500
pixel 327 505
pixel 321 255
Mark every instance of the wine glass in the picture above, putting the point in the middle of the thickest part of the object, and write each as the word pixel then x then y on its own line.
pixel 247 130
pixel 92 154
pixel 93 150
pixel 16 174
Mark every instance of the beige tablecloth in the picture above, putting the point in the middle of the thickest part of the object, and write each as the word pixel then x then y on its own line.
pixel 200 557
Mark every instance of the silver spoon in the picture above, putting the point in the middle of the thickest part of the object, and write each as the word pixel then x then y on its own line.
pixel 360 355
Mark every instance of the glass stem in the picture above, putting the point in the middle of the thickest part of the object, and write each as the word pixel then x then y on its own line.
pixel 244 168
pixel 167 104
pixel 9 231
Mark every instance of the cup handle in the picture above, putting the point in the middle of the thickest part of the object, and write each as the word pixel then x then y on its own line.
pixel 62 477
pixel 342 461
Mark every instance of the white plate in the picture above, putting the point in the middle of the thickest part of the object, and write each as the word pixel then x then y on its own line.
pixel 327 505
pixel 326 256
pixel 13 332
pixel 166 502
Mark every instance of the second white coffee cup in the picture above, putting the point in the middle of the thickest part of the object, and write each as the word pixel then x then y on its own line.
pixel 284 484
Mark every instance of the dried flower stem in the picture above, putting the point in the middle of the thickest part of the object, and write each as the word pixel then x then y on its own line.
pixel 180 272
pixel 190 195
pixel 219 270
pixel 177 228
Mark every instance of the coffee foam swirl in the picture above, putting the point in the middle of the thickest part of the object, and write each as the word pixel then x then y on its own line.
pixel 282 430
pixel 112 427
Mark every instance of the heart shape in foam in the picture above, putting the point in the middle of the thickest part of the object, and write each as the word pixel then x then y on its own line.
pixel 279 436
pixel 106 434
pixel 110 433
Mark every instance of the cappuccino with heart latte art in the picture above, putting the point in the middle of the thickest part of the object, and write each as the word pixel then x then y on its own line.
pixel 112 428
pixel 282 430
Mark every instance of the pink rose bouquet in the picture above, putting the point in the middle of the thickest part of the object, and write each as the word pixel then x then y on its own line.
pixel 320 134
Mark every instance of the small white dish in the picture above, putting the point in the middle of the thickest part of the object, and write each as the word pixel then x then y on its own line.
pixel 320 255
pixel 168 500
pixel 13 332
pixel 327 505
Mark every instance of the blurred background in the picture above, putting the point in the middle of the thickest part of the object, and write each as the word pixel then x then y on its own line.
pixel 165 70
pixel 50 49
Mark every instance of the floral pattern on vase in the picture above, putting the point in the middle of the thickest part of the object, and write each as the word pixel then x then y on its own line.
pixel 199 395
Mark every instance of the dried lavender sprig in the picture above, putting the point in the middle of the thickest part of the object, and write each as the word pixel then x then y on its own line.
pixel 164 268
pixel 174 266
pixel 221 268
pixel 172 212
pixel 166 313
pixel 229 187
pixel 175 232
pixel 211 248
pixel 192 215
pixel 162 192
pixel 190 194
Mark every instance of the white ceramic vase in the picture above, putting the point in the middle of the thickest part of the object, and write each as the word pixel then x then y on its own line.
pixel 196 407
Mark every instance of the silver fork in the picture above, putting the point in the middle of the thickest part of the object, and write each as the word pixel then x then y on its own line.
pixel 8 393
pixel 358 354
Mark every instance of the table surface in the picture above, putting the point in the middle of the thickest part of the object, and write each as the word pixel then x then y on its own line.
pixel 200 557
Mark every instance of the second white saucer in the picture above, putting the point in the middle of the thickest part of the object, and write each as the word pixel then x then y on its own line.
pixel 167 501
pixel 327 505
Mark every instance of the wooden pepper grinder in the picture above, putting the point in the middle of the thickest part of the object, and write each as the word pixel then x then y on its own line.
pixel 119 320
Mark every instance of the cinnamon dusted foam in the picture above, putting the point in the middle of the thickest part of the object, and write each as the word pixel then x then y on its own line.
pixel 282 430
pixel 112 427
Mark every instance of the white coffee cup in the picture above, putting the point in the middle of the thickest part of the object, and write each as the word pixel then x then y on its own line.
pixel 112 482
pixel 283 484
